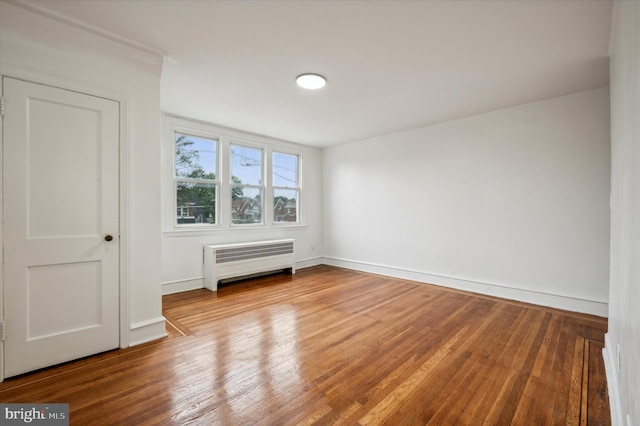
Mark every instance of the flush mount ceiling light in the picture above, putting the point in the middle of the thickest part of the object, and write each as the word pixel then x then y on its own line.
pixel 311 81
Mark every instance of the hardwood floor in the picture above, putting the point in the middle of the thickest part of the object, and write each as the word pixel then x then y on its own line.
pixel 333 346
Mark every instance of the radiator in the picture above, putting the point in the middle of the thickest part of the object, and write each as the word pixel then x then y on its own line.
pixel 225 261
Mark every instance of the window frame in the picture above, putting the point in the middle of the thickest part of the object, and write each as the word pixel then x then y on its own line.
pixel 297 188
pixel 262 188
pixel 193 129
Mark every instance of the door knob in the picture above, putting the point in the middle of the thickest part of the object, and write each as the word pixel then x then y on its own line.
pixel 108 237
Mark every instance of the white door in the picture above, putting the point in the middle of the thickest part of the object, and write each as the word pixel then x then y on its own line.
pixel 61 229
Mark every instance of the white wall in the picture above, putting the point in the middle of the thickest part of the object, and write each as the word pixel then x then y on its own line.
pixel 36 47
pixel 513 203
pixel 622 342
pixel 182 261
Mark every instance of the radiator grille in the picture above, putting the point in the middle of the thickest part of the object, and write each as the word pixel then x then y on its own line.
pixel 252 252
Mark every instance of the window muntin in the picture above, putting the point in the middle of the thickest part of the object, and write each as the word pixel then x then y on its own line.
pixel 195 179
pixel 286 188
pixel 247 187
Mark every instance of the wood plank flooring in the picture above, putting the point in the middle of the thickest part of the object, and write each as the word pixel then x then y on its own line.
pixel 333 346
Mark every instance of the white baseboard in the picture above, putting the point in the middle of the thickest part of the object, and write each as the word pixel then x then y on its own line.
pixel 147 331
pixel 179 286
pixel 610 355
pixel 308 263
pixel 574 304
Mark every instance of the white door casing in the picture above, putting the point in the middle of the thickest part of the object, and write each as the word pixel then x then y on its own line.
pixel 61 180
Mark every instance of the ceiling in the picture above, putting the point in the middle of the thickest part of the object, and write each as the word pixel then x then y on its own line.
pixel 390 65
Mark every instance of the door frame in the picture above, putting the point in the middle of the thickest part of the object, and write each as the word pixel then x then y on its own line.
pixel 123 175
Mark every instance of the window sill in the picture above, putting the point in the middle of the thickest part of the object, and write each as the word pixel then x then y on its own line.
pixel 232 230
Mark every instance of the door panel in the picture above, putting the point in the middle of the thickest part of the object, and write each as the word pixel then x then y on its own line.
pixel 63 283
pixel 61 277
pixel 74 161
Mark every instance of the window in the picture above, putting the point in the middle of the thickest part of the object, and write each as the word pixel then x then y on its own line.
pixel 222 180
pixel 196 180
pixel 247 190
pixel 286 191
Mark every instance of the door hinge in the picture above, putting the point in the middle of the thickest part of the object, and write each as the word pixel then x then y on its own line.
pixel 2 106
pixel 3 331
